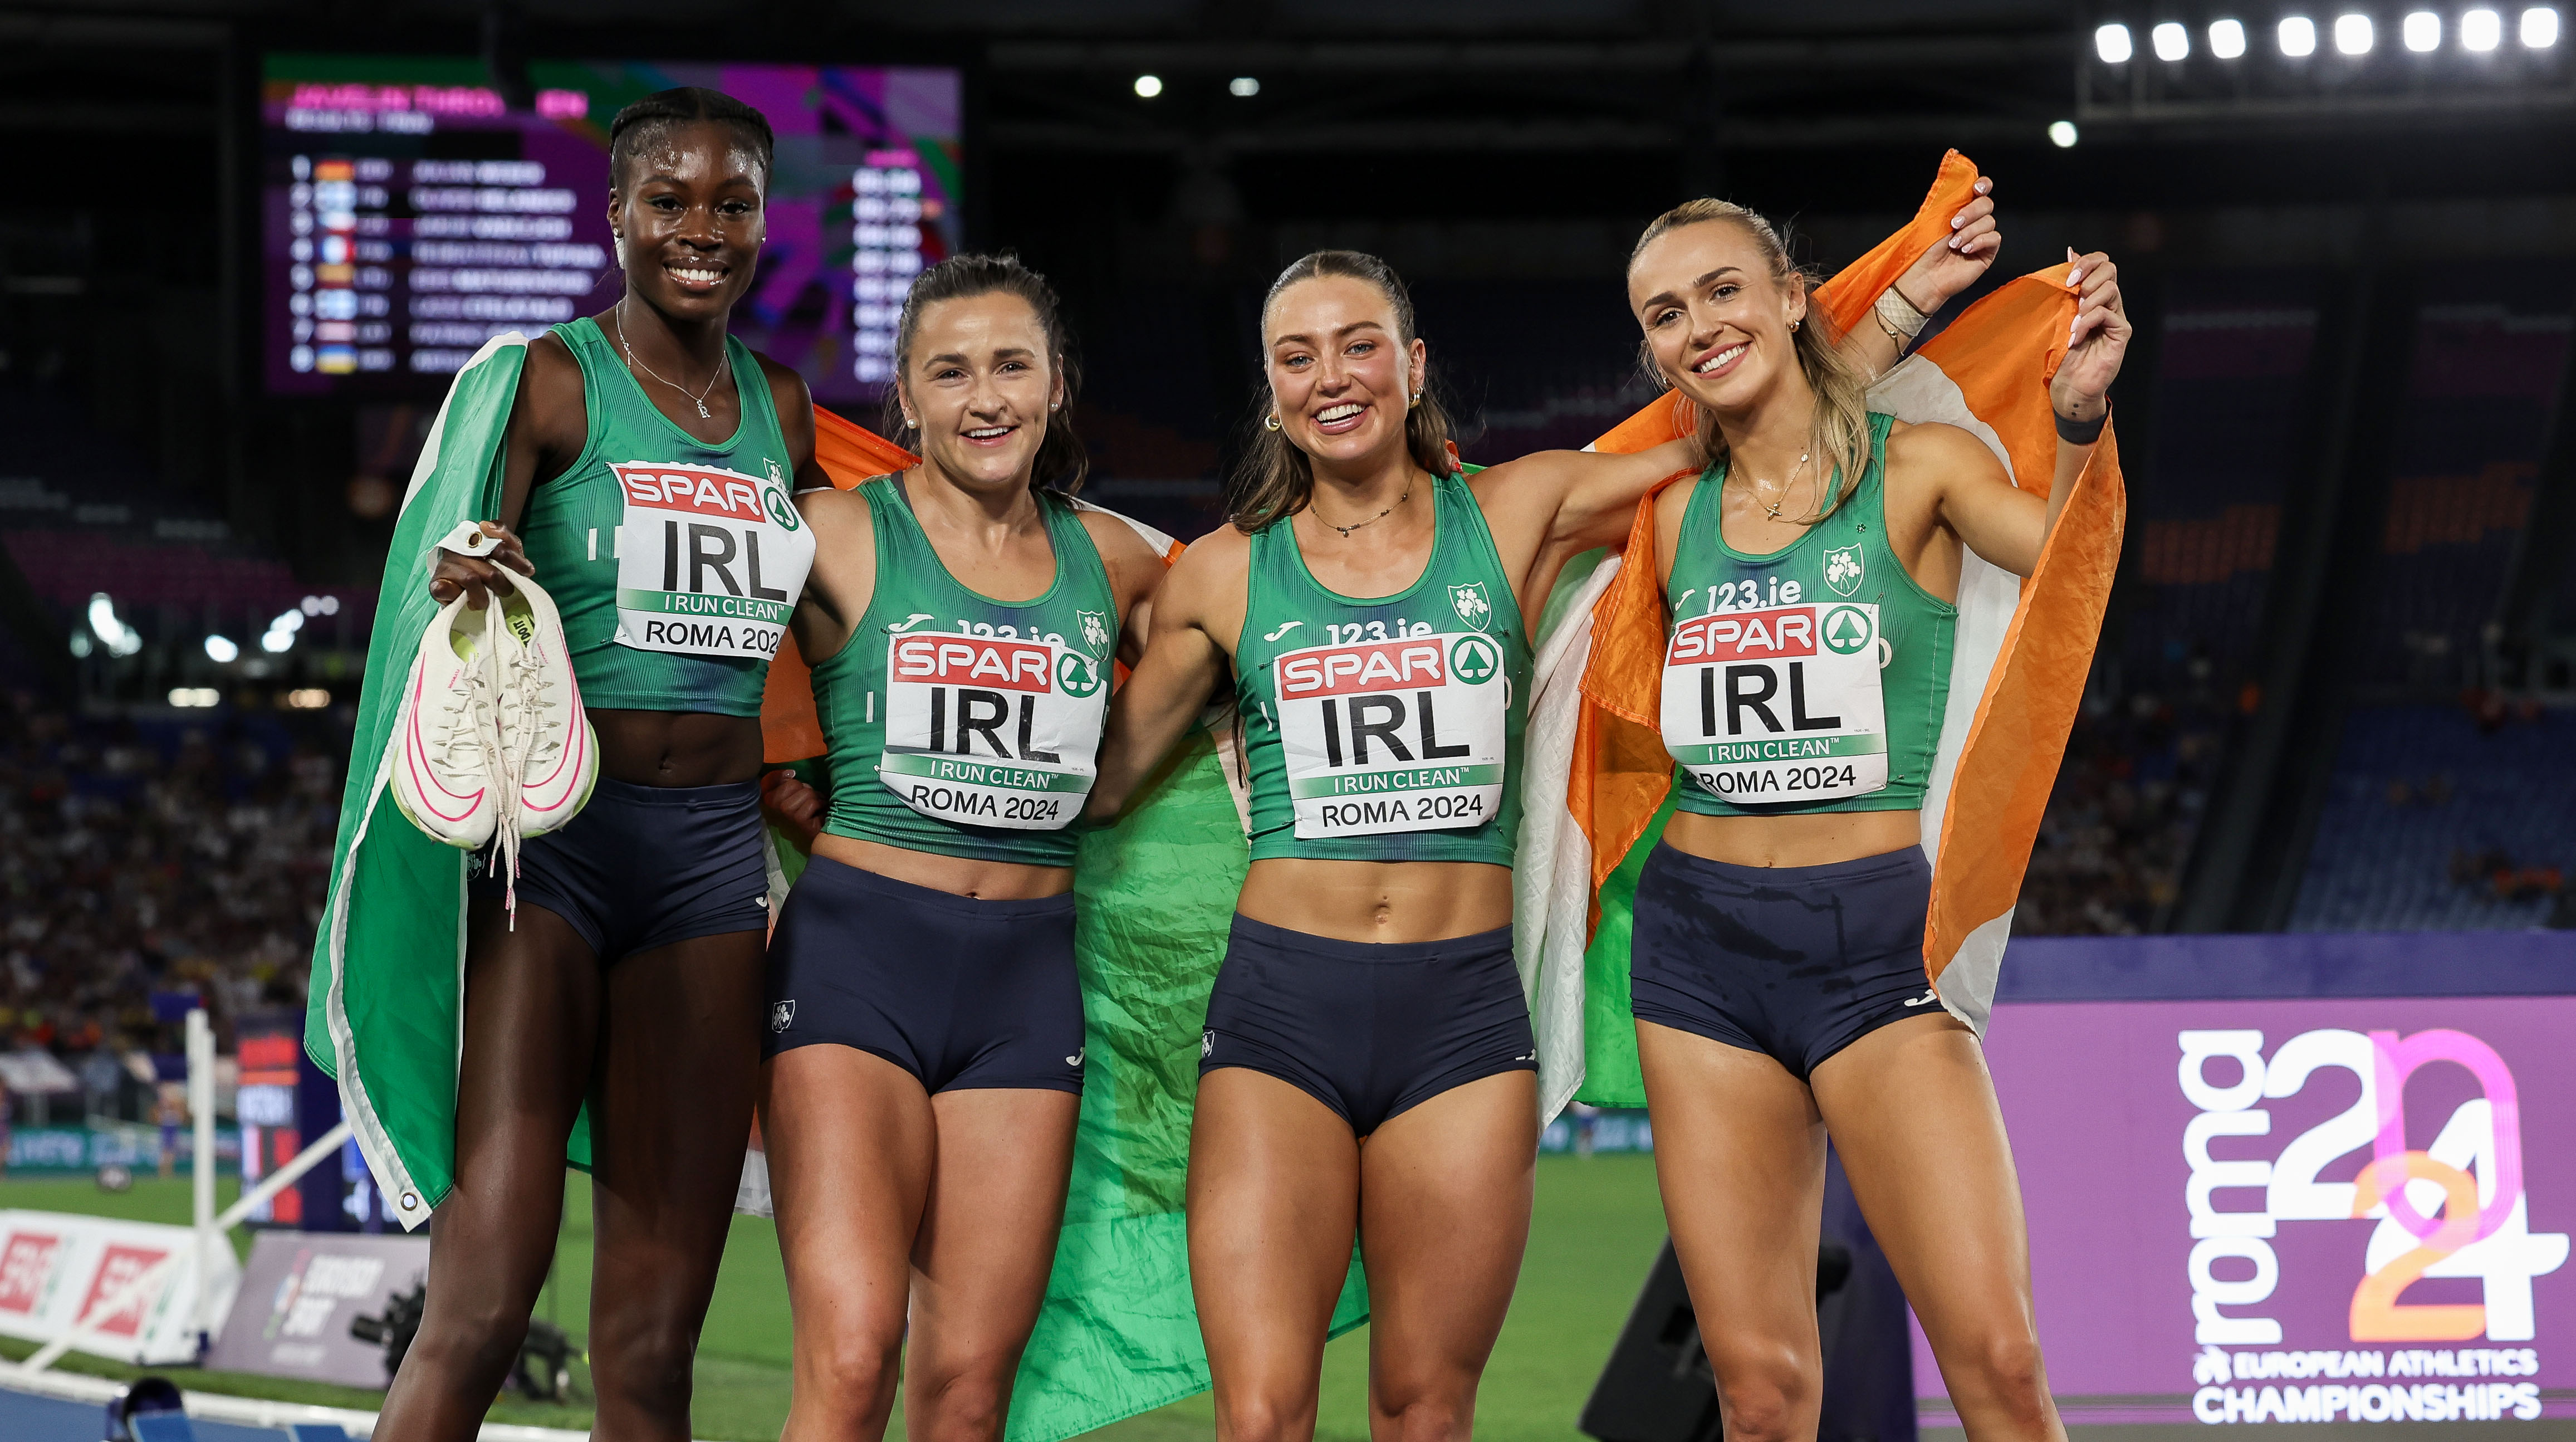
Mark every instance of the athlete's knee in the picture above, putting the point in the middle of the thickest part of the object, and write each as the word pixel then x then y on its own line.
pixel 1256 1417
pixel 1428 1416
pixel 1768 1389
pixel 854 1367
pixel 957 1397
pixel 644 1362
pixel 472 1341
pixel 2002 1370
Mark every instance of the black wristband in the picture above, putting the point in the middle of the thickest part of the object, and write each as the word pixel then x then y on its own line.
pixel 2081 433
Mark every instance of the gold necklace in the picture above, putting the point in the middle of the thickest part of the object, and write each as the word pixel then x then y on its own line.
pixel 1774 506
pixel 1371 521
pixel 723 366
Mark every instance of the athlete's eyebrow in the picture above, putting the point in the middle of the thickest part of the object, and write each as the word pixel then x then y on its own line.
pixel 1357 325
pixel 1666 297
pixel 958 358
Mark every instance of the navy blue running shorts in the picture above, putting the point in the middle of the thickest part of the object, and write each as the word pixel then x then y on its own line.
pixel 645 866
pixel 1796 962
pixel 1368 1029
pixel 963 992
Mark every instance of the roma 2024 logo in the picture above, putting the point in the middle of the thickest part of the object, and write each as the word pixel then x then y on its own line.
pixel 2455 1208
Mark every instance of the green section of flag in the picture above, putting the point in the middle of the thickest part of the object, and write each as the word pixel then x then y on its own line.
pixel 1782 748
pixel 1611 1076
pixel 1390 783
pixel 1154 897
pixel 957 771
pixel 713 608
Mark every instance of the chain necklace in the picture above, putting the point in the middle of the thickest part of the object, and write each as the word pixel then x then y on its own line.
pixel 724 367
pixel 1371 521
pixel 1773 507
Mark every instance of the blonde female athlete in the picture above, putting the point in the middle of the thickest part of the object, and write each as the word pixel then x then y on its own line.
pixel 1778 974
pixel 926 1030
pixel 1367 1067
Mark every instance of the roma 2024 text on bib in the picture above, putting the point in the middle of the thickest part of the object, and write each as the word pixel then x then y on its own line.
pixel 1385 736
pixel 992 730
pixel 1778 705
pixel 709 561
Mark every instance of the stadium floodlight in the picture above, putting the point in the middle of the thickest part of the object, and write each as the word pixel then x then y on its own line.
pixel 2226 38
pixel 2171 40
pixel 2298 36
pixel 222 650
pixel 2423 31
pixel 119 638
pixel 2481 30
pixel 2353 34
pixel 2061 133
pixel 2111 42
pixel 1148 86
pixel 1243 87
pixel 2540 27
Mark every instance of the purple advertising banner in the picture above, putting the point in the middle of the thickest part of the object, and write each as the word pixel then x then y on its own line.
pixel 2296 1211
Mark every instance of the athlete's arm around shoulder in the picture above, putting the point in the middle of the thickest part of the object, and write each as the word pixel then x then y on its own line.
pixel 549 426
pixel 1136 571
pixel 1550 506
pixel 1197 619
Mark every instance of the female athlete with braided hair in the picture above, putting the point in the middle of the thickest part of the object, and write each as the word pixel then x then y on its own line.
pixel 632 977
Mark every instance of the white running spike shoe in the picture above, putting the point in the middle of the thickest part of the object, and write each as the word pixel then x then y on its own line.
pixel 447 737
pixel 548 752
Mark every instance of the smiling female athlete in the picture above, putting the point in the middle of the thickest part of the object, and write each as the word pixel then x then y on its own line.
pixel 650 460
pixel 926 1024
pixel 1778 970
pixel 1367 1067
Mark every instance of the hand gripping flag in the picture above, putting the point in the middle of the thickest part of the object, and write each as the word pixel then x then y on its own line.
pixel 1600 780
pixel 1118 1333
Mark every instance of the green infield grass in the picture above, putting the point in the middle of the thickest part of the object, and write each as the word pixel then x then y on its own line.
pixel 1597 1228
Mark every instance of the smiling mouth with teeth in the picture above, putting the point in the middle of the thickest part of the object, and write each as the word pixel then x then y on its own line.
pixel 1719 359
pixel 989 433
pixel 696 275
pixel 1342 412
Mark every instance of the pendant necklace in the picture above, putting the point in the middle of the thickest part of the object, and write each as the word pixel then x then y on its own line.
pixel 1371 521
pixel 1773 507
pixel 724 367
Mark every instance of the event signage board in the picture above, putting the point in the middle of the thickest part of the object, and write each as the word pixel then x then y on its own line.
pixel 2315 1210
pixel 55 1267
pixel 299 1293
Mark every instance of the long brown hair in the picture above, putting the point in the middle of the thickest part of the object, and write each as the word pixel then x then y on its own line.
pixel 1274 478
pixel 1061 461
pixel 1839 435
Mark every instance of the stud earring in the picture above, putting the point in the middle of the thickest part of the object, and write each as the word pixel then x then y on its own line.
pixel 1270 421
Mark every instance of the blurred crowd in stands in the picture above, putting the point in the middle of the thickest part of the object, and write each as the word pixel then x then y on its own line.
pixel 144 856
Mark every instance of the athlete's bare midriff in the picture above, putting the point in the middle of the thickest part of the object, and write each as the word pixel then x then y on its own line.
pixel 1813 839
pixel 677 748
pixel 956 875
pixel 1379 901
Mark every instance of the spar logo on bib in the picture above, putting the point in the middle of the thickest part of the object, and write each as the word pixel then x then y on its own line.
pixel 1778 704
pixel 991 730
pixel 1386 736
pixel 1846 630
pixel 709 561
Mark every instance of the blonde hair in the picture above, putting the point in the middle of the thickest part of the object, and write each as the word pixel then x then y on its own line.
pixel 1839 435
pixel 1275 479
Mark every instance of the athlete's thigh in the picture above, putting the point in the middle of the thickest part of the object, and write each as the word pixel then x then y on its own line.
pixel 849 1141
pixel 678 1064
pixel 1445 1192
pixel 1913 1115
pixel 1274 1187
pixel 532 1015
pixel 1740 1159
pixel 988 1230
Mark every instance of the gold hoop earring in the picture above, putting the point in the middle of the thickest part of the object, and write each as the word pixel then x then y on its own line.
pixel 1270 422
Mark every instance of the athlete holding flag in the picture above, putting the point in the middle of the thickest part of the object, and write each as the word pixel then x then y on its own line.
pixel 1367 1065
pixel 925 1033
pixel 648 459
pixel 1779 976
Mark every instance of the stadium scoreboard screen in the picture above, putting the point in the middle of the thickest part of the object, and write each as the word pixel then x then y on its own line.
pixel 410 213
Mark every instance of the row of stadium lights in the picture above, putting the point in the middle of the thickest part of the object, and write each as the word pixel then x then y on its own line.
pixel 1241 87
pixel 2354 34
pixel 118 638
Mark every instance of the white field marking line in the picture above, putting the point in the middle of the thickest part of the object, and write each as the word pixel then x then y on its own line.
pixel 142 1282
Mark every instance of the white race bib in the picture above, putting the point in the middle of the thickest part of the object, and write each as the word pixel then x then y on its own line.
pixel 991 730
pixel 1778 705
pixel 709 561
pixel 1384 736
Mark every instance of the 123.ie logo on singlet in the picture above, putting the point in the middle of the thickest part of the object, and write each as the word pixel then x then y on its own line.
pixel 992 730
pixel 709 561
pixel 1386 736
